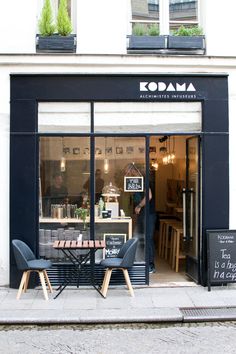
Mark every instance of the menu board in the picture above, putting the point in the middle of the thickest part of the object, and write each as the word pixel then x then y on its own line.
pixel 114 242
pixel 221 253
pixel 133 184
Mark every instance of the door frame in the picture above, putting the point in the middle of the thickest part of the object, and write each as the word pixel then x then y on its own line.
pixel 193 271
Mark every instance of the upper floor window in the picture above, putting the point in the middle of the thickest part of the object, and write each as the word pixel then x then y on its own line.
pixel 167 14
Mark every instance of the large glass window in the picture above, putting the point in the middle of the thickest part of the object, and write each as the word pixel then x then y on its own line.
pixel 65 182
pixel 64 193
pixel 119 160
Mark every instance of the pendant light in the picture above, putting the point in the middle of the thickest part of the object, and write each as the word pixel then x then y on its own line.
pixel 106 161
pixel 63 159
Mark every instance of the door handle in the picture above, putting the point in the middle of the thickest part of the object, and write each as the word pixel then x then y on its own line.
pixel 191 191
pixel 184 214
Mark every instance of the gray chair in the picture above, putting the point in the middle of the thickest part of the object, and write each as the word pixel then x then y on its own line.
pixel 27 262
pixel 123 261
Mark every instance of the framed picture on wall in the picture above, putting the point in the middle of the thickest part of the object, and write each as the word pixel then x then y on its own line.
pixel 119 150
pixel 114 242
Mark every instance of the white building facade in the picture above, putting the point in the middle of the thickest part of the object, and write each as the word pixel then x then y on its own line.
pixel 102 51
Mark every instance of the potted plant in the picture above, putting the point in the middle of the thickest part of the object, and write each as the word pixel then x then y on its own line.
pixel 144 37
pixel 82 213
pixel 187 38
pixel 51 41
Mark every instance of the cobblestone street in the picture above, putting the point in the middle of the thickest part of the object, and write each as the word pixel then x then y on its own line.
pixel 137 338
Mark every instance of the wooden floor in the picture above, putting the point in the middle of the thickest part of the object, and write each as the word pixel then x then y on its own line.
pixel 165 276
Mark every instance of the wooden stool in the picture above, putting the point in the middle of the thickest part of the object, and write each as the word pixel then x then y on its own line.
pixel 176 254
pixel 168 233
pixel 161 244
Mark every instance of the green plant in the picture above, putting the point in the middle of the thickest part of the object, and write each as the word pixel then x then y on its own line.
pixel 153 30
pixel 64 25
pixel 82 214
pixel 46 26
pixel 188 31
pixel 139 29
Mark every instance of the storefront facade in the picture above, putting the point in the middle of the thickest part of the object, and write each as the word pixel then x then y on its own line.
pixel 110 99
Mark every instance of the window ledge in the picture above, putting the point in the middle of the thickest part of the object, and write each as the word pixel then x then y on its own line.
pixel 166 44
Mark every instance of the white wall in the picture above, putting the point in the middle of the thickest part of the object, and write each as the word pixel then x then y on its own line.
pixel 218 21
pixel 102 26
pixel 4 176
pixel 18 26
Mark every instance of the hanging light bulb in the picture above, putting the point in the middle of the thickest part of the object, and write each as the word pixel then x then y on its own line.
pixel 63 159
pixel 63 164
pixel 106 161
pixel 106 166
pixel 154 164
pixel 165 160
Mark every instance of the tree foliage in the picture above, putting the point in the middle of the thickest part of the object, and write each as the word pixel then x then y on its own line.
pixel 64 25
pixel 46 26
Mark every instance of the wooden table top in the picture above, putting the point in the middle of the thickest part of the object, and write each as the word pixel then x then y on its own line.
pixel 72 244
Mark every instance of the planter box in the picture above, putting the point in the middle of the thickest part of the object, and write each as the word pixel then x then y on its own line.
pixel 147 42
pixel 56 44
pixel 186 42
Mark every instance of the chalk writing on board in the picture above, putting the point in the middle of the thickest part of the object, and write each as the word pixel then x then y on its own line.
pixel 222 256
pixel 114 243
pixel 133 184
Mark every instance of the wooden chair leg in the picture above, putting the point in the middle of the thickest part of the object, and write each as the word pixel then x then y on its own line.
pixel 27 280
pixel 106 282
pixel 128 282
pixel 47 281
pixel 41 276
pixel 22 283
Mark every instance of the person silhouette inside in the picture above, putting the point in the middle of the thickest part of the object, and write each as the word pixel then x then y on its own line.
pixel 99 184
pixel 140 212
pixel 56 193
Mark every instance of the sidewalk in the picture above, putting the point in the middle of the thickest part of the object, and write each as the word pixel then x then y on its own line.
pixel 150 304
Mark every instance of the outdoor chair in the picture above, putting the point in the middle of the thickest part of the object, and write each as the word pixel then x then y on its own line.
pixel 27 262
pixel 123 261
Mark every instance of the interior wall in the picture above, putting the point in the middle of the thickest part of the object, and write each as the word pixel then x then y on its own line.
pixel 169 178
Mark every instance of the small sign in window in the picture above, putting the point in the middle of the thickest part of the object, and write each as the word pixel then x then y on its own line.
pixel 133 184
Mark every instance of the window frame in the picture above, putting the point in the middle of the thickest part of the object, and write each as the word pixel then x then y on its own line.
pixel 164 22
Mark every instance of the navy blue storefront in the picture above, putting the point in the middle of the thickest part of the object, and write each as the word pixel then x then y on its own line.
pixel 28 90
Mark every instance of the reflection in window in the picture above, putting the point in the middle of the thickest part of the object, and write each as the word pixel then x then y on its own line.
pixel 181 12
pixel 145 9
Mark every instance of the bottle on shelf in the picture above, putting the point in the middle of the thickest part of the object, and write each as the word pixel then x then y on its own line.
pixel 101 206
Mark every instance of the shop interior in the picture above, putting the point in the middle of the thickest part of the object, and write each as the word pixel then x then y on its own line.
pixel 115 158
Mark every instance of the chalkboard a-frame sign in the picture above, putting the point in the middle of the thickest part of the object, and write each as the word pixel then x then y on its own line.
pixel 133 184
pixel 221 252
pixel 114 242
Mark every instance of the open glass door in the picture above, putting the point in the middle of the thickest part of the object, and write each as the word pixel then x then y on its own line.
pixel 191 208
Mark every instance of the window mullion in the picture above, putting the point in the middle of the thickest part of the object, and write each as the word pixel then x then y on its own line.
pixel 164 16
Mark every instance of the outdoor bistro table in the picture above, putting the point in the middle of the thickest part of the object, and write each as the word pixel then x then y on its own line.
pixel 78 260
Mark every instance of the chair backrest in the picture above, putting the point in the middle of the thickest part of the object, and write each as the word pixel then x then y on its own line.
pixel 127 252
pixel 22 254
